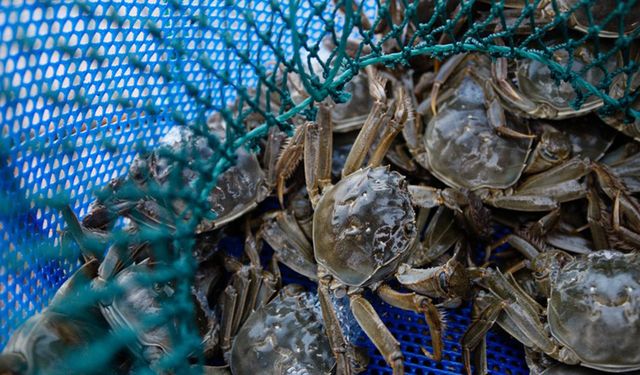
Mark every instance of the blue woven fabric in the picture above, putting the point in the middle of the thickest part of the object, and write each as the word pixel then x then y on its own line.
pixel 73 87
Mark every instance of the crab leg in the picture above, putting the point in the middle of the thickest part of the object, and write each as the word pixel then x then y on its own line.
pixel 91 243
pixel 241 283
pixel 500 71
pixel 523 246
pixel 532 203
pixel 338 342
pixel 628 235
pixel 275 142
pixel 496 116
pixel 615 190
pixel 230 300
pixel 544 191
pixel 251 246
pixel 290 244
pixel 552 180
pixel 288 160
pixel 371 127
pixel 506 288
pixel 318 145
pixel 255 284
pixel 443 74
pixel 379 334
pixel 269 287
pixel 101 217
pixel 400 117
pixel 475 334
pixel 595 220
pixel 274 269
pixel 426 196
pixel 421 305
pixel 441 234
pixel 481 357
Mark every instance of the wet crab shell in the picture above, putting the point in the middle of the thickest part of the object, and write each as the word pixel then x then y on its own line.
pixel 542 95
pixel 598 12
pixel 594 309
pixel 462 148
pixel 574 370
pixel 237 190
pixel 47 341
pixel 139 302
pixel 285 336
pixel 364 226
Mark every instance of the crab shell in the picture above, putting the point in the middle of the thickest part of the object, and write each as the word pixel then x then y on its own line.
pixel 364 226
pixel 594 309
pixel 48 341
pixel 237 190
pixel 462 148
pixel 139 302
pixel 285 336
pixel 540 93
pixel 598 12
pixel 570 370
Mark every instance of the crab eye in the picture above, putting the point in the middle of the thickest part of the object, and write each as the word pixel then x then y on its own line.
pixel 550 154
pixel 442 280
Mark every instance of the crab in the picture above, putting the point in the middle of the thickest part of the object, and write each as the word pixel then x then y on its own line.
pixel 528 88
pixel 579 16
pixel 129 269
pixel 372 231
pixel 590 318
pixel 237 191
pixel 624 162
pixel 47 341
pixel 619 87
pixel 284 336
pixel 249 288
pixel 142 298
pixel 619 226
pixel 471 144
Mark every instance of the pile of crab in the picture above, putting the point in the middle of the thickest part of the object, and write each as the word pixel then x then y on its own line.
pixel 394 194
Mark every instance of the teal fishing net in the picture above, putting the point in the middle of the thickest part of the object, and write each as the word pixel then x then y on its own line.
pixel 88 85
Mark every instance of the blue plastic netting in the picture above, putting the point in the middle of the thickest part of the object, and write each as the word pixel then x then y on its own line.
pixel 74 145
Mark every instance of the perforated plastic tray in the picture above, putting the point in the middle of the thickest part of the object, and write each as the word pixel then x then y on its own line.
pixel 81 87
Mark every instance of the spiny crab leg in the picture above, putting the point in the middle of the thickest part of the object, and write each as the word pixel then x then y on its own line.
pixel 421 305
pixel 370 129
pixel 289 159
